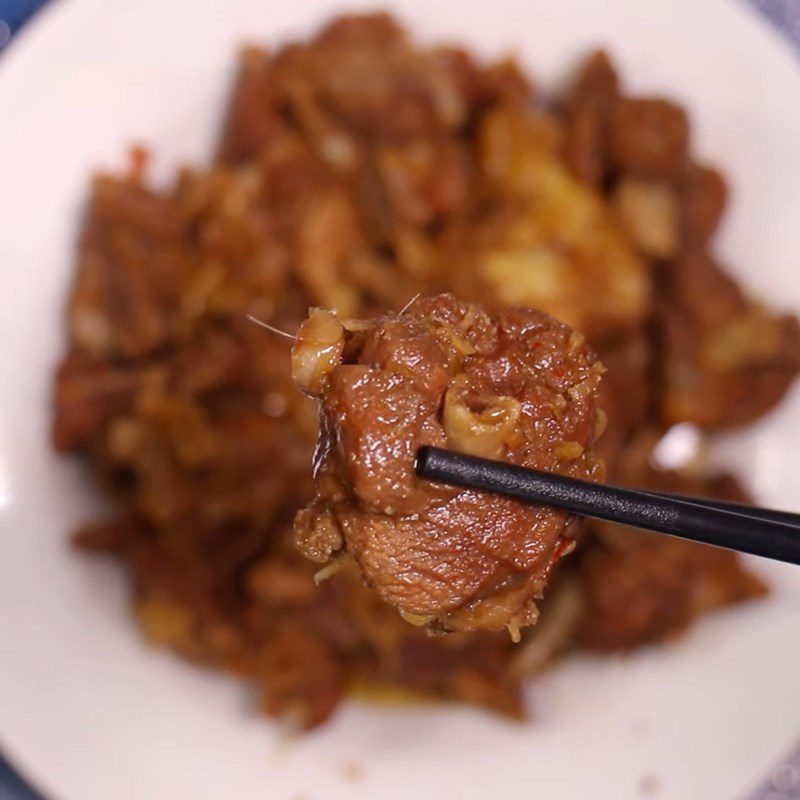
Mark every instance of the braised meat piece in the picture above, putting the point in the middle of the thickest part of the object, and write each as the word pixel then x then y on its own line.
pixel 649 137
pixel 641 587
pixel 587 107
pixel 520 387
pixel 727 359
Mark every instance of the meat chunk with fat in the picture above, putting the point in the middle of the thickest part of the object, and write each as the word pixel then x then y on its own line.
pixel 519 387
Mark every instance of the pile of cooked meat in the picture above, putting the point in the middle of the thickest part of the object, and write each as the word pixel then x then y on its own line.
pixel 354 171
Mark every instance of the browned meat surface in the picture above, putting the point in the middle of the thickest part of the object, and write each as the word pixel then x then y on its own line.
pixel 356 169
pixel 642 587
pixel 587 106
pixel 649 137
pixel 727 359
pixel 626 394
pixel 519 387
pixel 722 359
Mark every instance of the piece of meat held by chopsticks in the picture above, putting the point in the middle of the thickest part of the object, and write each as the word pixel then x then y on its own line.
pixel 521 387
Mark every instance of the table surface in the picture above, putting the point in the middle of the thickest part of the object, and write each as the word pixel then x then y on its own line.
pixel 784 781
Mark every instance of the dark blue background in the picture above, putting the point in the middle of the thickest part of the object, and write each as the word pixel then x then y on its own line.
pixel 14 13
pixel 785 14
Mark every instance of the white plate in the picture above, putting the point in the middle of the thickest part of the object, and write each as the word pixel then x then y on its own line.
pixel 90 714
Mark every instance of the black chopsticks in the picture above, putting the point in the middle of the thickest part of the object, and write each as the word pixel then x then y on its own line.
pixel 761 532
pixel 786 517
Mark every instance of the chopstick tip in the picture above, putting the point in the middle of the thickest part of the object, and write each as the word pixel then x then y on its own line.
pixel 421 461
